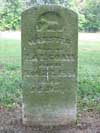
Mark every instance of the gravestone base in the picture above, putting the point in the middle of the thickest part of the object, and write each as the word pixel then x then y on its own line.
pixel 51 129
pixel 31 123
pixel 57 118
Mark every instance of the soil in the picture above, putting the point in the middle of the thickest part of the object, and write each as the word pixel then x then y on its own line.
pixel 11 122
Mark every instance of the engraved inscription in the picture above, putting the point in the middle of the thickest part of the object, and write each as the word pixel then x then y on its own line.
pixel 50 40
pixel 49 62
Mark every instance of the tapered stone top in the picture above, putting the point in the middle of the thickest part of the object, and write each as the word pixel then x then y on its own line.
pixel 49 65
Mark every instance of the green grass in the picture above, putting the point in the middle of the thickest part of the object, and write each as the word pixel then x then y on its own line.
pixel 89 69
pixel 89 73
pixel 10 72
pixel 10 53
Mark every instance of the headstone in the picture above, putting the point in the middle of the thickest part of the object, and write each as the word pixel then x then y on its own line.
pixel 49 65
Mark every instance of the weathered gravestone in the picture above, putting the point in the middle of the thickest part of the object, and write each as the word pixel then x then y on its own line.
pixel 49 65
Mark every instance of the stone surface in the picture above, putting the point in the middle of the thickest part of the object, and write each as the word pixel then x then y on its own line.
pixel 49 65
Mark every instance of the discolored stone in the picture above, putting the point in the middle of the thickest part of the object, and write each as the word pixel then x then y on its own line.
pixel 49 65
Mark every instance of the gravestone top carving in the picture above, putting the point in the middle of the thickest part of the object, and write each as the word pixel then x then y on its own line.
pixel 49 65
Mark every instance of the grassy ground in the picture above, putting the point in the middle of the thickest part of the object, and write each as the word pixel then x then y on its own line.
pixel 89 73
pixel 10 72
